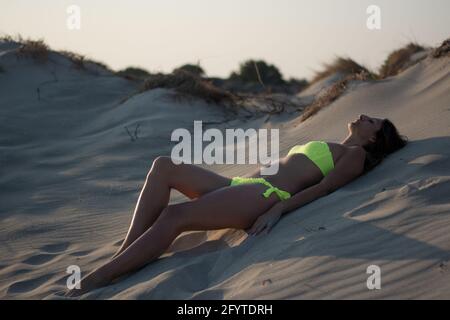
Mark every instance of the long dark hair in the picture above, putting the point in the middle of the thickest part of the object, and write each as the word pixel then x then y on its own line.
pixel 388 140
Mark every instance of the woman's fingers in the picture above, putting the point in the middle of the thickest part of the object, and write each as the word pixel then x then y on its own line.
pixel 268 229
pixel 260 228
pixel 252 229
pixel 270 226
pixel 255 227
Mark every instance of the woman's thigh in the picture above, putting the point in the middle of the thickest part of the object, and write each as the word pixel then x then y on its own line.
pixel 195 181
pixel 228 207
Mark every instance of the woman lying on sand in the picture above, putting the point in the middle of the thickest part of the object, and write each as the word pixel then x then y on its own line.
pixel 308 172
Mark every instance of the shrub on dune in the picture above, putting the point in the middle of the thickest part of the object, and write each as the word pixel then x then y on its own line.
pixel 35 49
pixel 80 61
pixel 349 71
pixel 186 83
pixel 258 71
pixel 192 68
pixel 396 62
pixel 77 59
pixel 300 83
pixel 344 66
pixel 133 73
pixel 443 50
pixel 40 51
pixel 333 93
pixel 399 60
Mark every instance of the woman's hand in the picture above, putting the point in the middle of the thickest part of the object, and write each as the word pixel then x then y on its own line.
pixel 267 220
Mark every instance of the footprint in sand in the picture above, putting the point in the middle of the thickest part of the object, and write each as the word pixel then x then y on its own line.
pixel 64 248
pixel 55 248
pixel 26 286
pixel 47 253
pixel 13 271
pixel 80 253
pixel 40 259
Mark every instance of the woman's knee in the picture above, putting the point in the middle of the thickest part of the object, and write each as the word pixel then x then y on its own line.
pixel 161 165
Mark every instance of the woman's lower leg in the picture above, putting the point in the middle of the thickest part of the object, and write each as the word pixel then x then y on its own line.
pixel 154 197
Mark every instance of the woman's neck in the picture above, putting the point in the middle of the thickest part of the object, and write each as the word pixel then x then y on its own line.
pixel 352 140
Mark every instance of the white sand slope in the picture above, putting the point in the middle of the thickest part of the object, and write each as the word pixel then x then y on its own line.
pixel 71 175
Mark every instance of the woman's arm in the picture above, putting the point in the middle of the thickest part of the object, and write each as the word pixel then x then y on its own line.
pixel 348 168
pixel 302 198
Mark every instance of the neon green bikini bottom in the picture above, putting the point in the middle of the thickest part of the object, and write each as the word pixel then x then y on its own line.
pixel 283 195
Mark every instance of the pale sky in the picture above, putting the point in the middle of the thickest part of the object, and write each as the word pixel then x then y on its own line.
pixel 295 35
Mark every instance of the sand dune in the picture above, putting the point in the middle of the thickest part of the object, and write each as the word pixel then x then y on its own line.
pixel 74 156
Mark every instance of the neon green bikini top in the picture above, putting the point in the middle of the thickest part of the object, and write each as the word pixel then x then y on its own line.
pixel 318 152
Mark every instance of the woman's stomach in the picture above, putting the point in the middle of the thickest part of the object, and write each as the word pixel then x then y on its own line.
pixel 295 173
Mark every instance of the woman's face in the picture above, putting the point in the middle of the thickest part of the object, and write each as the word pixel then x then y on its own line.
pixel 365 127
